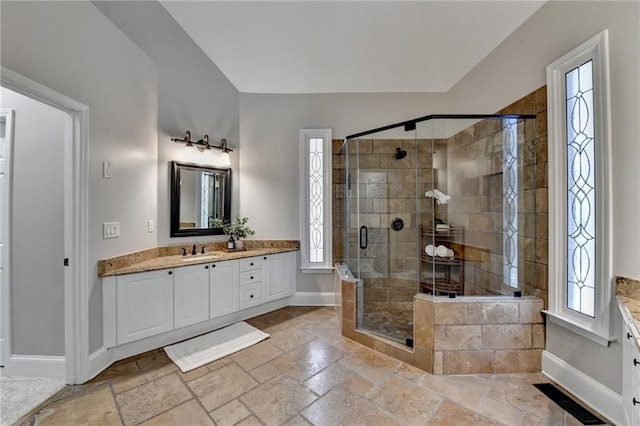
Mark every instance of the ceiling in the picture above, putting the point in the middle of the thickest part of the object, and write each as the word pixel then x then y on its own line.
pixel 348 46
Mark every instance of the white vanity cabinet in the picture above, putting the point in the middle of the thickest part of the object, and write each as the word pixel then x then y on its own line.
pixel 630 378
pixel 167 305
pixel 223 288
pixel 278 275
pixel 144 305
pixel 250 282
pixel 190 295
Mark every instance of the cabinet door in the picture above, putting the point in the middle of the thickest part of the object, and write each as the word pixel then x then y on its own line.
pixel 278 276
pixel 223 288
pixel 190 295
pixel 144 305
pixel 630 377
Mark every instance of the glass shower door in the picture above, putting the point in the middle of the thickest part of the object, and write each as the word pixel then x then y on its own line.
pixel 384 235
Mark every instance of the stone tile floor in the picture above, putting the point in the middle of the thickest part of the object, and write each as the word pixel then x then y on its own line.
pixel 306 373
pixel 391 319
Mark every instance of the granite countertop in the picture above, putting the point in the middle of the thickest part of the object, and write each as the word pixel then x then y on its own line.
pixel 169 256
pixel 628 297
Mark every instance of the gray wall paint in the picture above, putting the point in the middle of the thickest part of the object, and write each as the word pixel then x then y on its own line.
pixel 193 95
pixel 75 50
pixel 37 282
pixel 516 68
pixel 270 156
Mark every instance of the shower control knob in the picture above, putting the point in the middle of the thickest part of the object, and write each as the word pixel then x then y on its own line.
pixel 397 224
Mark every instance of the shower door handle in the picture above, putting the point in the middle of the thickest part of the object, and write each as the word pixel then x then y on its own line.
pixel 364 237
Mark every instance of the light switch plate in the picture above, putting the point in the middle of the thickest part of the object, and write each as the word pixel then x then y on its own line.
pixel 150 225
pixel 110 230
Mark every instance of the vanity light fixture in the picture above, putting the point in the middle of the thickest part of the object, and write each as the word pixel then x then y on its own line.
pixel 204 144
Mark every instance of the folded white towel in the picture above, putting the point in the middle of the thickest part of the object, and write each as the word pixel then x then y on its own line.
pixel 441 251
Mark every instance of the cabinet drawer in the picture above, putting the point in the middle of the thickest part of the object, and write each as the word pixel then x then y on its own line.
pixel 250 295
pixel 249 277
pixel 250 263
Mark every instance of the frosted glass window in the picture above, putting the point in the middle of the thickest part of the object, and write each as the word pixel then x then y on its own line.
pixel 510 203
pixel 581 190
pixel 316 200
pixel 316 204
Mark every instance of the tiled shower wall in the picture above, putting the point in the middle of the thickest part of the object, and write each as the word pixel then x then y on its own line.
pixel 387 191
pixel 475 172
pixel 473 163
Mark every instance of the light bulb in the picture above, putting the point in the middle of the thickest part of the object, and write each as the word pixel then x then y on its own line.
pixel 226 160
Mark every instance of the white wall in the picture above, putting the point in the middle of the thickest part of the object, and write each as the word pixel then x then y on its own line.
pixel 37 284
pixel 270 155
pixel 193 95
pixel 516 68
pixel 75 50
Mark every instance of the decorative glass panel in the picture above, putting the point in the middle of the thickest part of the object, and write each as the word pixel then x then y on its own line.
pixel 510 203
pixel 316 204
pixel 581 219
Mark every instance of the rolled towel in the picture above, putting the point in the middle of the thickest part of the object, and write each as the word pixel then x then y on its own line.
pixel 441 251
pixel 430 250
pixel 450 253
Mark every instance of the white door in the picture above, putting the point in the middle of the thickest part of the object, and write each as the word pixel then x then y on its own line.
pixel 6 143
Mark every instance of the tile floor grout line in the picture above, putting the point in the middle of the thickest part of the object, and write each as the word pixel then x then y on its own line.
pixel 193 394
pixel 115 401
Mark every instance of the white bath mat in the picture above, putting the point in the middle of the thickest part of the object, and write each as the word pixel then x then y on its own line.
pixel 201 350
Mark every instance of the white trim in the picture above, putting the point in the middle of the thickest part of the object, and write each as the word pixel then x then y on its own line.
pixel 302 298
pixel 584 387
pixel 578 328
pixel 76 219
pixel 322 270
pixel 596 49
pixel 305 135
pixel 5 239
pixel 51 367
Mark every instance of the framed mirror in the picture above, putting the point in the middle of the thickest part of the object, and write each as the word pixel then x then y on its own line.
pixel 199 194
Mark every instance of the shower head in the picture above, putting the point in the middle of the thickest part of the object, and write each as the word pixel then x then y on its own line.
pixel 400 154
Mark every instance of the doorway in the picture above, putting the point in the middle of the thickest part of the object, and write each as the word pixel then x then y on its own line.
pixel 64 353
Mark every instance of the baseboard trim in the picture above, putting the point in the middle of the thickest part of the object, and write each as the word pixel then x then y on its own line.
pixel 302 298
pixel 98 361
pixel 51 367
pixel 590 391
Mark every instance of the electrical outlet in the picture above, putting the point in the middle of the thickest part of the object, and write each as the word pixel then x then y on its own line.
pixel 150 225
pixel 110 230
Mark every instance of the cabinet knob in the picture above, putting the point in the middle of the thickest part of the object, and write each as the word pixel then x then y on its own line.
pixel 629 336
pixel 170 272
pixel 635 401
pixel 206 267
pixel 636 362
pixel 265 258
pixel 251 297
pixel 213 266
pixel 251 264
pixel 252 277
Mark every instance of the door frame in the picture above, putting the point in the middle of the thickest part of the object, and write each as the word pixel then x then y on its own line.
pixel 5 231
pixel 76 181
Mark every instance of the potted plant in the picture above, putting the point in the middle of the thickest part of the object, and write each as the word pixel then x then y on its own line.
pixel 237 229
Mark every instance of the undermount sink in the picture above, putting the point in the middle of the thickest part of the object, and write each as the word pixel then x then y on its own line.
pixel 200 258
